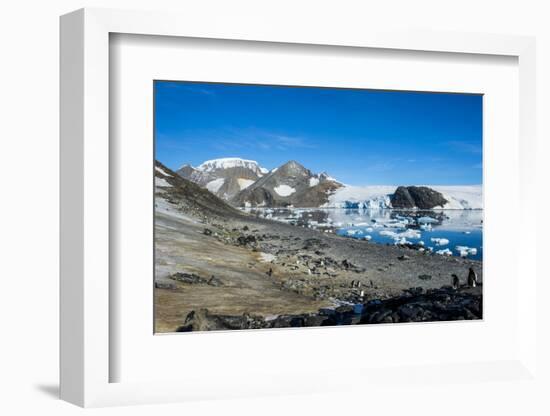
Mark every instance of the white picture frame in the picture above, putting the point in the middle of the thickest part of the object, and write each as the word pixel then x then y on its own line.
pixel 86 355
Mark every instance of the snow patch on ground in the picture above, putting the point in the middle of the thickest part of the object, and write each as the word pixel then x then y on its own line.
pixel 267 257
pixel 162 183
pixel 284 190
pixel 162 171
pixel 162 206
pixel 244 183
pixel 215 185
pixel 313 181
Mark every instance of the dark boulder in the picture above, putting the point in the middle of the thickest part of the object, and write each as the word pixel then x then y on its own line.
pixel 190 278
pixel 203 320
pixel 165 284
pixel 244 240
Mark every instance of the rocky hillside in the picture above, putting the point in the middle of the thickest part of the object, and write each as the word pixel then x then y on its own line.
pixel 174 193
pixel 290 184
pixel 224 177
pixel 417 197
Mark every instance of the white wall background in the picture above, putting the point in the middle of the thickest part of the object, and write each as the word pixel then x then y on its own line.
pixel 29 205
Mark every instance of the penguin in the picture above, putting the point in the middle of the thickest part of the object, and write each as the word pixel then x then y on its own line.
pixel 455 281
pixel 472 277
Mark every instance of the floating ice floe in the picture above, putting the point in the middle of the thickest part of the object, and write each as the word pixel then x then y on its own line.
pixel 410 233
pixel 464 251
pixel 353 232
pixel 439 241
pixel 426 220
pixel 367 237
pixel 401 241
pixel 445 252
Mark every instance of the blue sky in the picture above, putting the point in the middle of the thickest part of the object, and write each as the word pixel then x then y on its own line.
pixel 360 137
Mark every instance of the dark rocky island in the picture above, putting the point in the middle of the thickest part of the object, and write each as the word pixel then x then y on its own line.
pixel 417 197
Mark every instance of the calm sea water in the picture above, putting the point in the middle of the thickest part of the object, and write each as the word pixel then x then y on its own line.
pixel 443 232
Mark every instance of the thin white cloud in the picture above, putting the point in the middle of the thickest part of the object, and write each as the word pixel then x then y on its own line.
pixel 465 146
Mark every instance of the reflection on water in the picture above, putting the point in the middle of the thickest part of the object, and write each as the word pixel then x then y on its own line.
pixel 443 232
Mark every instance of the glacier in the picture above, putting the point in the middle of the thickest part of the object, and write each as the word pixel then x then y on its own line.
pixel 378 196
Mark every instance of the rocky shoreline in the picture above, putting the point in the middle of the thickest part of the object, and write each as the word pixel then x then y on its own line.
pixel 415 305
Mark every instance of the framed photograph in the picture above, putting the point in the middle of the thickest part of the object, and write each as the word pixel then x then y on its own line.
pixel 284 194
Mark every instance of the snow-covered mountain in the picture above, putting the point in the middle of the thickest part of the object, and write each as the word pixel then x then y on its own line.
pixel 226 163
pixel 288 185
pixel 224 177
pixel 457 197
pixel 244 183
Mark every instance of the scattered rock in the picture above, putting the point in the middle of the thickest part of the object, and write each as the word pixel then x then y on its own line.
pixel 214 281
pixel 190 278
pixel 244 240
pixel 165 284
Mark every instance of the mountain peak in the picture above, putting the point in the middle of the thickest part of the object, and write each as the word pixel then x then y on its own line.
pixel 186 171
pixel 293 164
pixel 224 177
pixel 293 168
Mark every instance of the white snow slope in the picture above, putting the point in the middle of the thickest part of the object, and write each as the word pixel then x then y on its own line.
pixel 244 183
pixel 284 190
pixel 215 185
pixel 459 197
